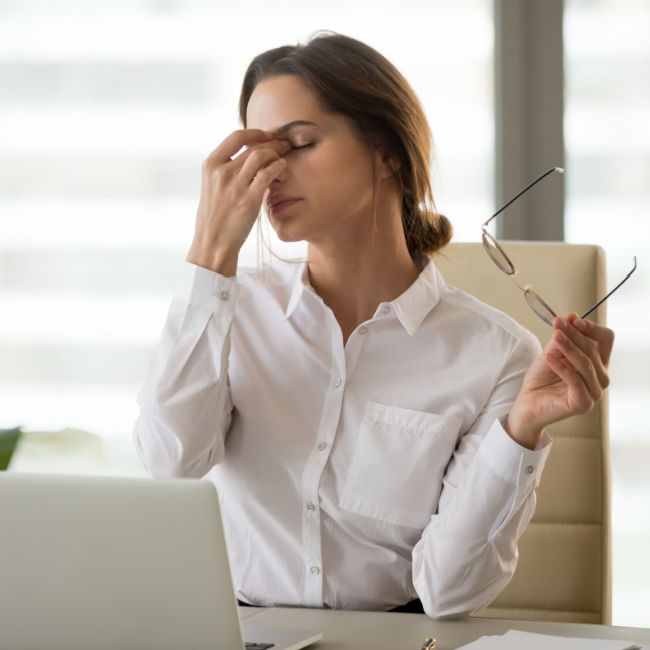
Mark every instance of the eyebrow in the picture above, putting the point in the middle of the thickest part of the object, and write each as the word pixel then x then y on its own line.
pixel 292 125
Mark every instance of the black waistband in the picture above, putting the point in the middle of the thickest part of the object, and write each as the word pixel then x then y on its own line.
pixel 414 607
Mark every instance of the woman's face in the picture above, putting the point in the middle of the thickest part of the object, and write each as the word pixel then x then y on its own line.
pixel 325 192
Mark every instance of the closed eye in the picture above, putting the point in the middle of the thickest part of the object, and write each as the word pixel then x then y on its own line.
pixel 302 146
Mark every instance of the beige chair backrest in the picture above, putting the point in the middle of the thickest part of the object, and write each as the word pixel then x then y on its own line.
pixel 564 570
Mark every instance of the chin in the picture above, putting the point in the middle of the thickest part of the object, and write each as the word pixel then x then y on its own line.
pixel 288 239
pixel 286 233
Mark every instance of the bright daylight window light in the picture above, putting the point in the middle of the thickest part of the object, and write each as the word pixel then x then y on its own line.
pixel 102 144
pixel 607 57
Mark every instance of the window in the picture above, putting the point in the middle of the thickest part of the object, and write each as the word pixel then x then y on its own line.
pixel 108 110
pixel 607 57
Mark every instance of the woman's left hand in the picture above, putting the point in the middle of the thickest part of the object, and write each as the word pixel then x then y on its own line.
pixel 568 378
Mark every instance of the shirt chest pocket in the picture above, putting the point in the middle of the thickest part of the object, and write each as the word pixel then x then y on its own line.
pixel 398 464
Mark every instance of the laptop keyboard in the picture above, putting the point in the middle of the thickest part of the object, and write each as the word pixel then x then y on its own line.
pixel 258 646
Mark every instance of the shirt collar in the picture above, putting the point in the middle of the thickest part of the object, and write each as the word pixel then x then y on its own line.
pixel 420 298
pixel 411 308
pixel 300 283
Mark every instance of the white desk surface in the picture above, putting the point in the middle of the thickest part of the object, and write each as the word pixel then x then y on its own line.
pixel 346 630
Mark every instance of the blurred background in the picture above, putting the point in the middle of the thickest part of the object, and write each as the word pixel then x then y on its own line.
pixel 108 108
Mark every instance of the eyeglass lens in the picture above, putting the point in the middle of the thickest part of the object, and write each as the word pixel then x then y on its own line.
pixel 497 254
pixel 539 306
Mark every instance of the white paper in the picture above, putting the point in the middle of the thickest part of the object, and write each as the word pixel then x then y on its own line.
pixel 517 640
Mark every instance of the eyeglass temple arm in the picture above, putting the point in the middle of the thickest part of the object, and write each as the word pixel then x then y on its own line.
pixel 514 198
pixel 602 300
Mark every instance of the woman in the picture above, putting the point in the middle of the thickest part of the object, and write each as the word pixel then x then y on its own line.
pixel 375 434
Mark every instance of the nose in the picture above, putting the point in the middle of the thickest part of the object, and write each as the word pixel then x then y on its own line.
pixel 282 174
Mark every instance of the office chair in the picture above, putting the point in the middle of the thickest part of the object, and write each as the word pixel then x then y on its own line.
pixel 564 569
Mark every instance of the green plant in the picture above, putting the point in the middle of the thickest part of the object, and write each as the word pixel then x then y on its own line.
pixel 8 442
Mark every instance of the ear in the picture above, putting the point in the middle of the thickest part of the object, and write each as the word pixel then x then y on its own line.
pixel 385 164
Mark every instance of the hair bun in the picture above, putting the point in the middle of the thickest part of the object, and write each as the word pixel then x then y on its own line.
pixel 426 232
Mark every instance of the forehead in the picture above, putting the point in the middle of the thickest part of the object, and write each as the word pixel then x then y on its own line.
pixel 279 100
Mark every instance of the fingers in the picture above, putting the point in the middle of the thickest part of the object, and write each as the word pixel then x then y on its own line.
pixel 265 177
pixel 236 141
pixel 581 363
pixel 582 356
pixel 253 160
pixel 582 401
pixel 224 176
pixel 589 346
pixel 603 337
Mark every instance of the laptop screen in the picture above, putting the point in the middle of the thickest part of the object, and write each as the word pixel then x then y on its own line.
pixel 97 562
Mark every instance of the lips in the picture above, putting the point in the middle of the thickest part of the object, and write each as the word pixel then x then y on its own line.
pixel 278 202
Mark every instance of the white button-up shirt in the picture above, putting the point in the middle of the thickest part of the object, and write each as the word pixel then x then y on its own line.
pixel 356 476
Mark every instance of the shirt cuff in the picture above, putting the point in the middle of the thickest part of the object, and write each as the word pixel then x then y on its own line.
pixel 201 287
pixel 511 461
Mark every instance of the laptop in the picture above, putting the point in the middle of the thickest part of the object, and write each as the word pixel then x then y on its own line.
pixel 105 563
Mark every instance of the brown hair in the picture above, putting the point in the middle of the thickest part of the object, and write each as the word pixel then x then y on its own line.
pixel 355 80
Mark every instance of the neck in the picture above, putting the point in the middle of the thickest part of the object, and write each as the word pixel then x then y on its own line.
pixel 353 275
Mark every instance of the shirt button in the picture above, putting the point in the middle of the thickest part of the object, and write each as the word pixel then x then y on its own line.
pixel 322 446
pixel 224 295
pixel 315 570
pixel 337 382
pixel 385 309
pixel 363 329
pixel 529 469
pixel 311 507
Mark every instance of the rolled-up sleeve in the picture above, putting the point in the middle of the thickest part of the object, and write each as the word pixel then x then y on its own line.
pixel 185 404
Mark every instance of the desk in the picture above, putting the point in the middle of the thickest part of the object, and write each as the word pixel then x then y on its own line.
pixel 345 630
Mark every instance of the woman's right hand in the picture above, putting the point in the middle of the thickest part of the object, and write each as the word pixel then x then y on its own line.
pixel 232 190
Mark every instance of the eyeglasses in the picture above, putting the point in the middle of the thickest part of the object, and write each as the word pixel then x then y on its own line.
pixel 499 257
